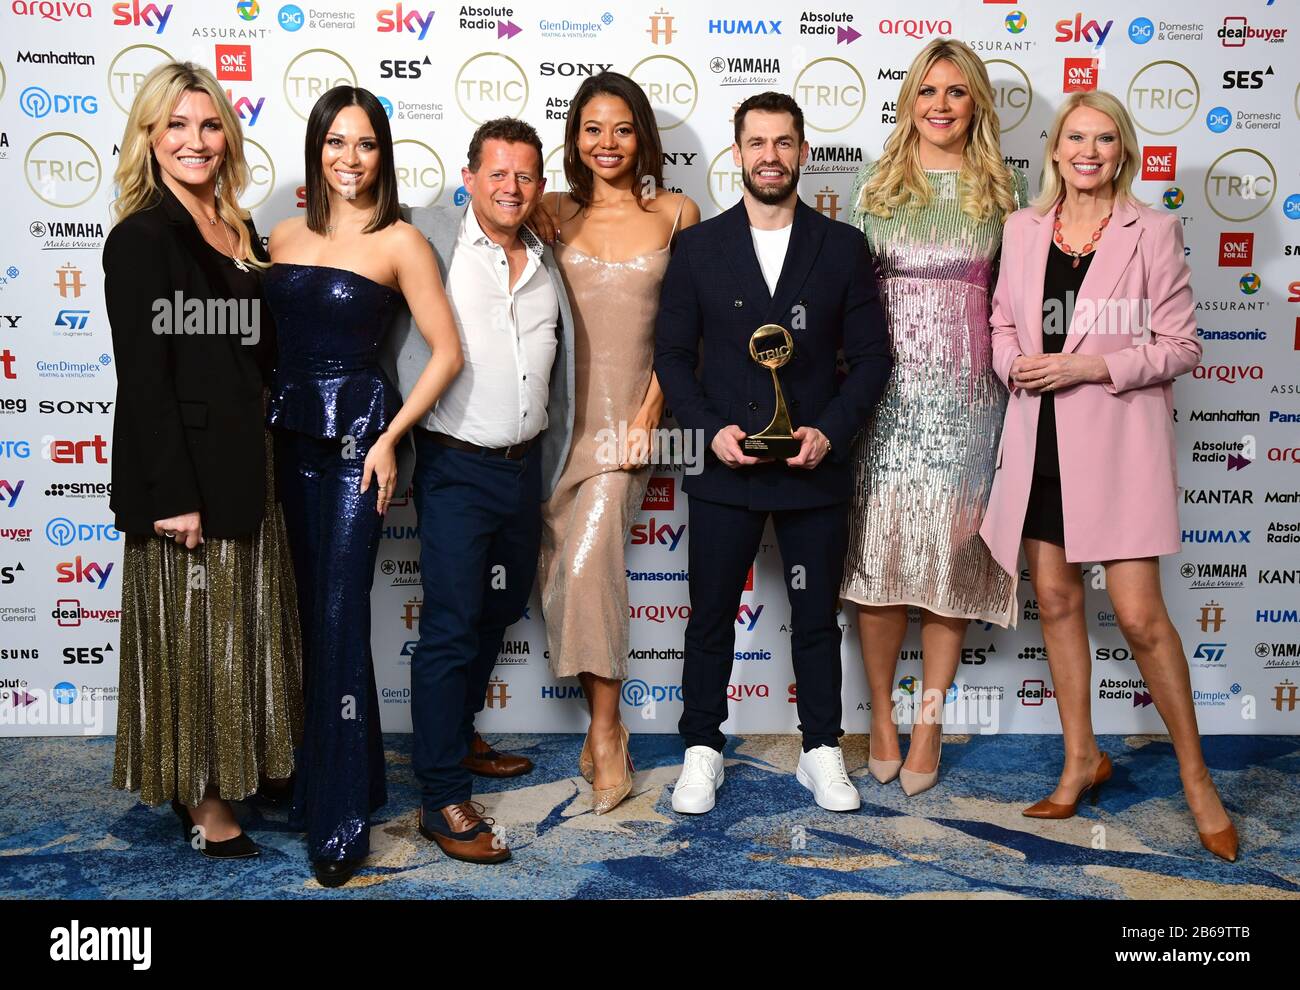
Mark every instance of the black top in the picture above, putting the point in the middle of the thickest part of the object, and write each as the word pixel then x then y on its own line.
pixel 1061 284
pixel 187 428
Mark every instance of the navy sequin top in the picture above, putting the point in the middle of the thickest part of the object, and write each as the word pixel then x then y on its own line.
pixel 329 324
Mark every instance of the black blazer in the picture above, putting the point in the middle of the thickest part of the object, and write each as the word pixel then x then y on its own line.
pixel 826 297
pixel 187 428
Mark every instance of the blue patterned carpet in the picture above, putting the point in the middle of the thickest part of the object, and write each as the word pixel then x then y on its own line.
pixel 65 834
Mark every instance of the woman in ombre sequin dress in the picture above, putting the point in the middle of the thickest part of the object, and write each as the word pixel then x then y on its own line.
pixel 932 210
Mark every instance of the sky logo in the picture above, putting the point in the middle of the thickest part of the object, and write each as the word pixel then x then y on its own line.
pixel 9 492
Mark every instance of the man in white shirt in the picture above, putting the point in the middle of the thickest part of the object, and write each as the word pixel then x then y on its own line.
pixel 487 455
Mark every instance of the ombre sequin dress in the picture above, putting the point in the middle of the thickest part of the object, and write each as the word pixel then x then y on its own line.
pixel 924 463
pixel 583 573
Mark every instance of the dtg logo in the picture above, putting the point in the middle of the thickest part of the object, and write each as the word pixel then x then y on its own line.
pixel 1219 119
pixel 9 492
pixel 412 22
pixel 134 14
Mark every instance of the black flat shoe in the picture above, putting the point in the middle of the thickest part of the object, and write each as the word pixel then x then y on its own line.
pixel 240 847
pixel 334 874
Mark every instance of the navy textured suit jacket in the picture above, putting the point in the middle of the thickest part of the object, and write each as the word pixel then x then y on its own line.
pixel 826 297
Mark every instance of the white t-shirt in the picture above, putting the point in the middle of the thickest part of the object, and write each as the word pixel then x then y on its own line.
pixel 770 246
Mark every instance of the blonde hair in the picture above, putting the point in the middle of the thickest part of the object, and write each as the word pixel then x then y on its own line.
pixel 1053 185
pixel 136 177
pixel 986 187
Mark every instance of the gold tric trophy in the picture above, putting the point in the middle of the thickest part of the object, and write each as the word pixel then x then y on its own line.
pixel 772 346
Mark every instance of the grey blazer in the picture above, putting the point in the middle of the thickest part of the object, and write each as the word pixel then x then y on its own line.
pixel 405 353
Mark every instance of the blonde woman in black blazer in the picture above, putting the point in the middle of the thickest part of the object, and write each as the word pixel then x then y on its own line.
pixel 210 646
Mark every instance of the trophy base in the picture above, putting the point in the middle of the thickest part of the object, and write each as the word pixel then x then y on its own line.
pixel 781 448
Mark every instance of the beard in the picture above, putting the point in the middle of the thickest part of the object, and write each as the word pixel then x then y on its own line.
pixel 770 194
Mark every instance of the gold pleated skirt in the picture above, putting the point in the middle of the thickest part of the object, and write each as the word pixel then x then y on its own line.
pixel 210 664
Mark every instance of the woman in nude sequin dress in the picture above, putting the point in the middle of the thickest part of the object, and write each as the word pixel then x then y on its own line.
pixel 614 230
pixel 932 210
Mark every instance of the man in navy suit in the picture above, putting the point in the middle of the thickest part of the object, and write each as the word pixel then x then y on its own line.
pixel 769 259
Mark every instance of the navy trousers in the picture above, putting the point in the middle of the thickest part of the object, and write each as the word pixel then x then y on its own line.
pixel 334 535
pixel 723 541
pixel 480 536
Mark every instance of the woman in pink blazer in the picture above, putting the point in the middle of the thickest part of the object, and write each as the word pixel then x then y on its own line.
pixel 1093 318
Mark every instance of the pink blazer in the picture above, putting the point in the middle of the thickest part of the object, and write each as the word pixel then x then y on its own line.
pixel 1119 484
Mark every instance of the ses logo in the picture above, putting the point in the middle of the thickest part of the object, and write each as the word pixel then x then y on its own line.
pixel 37 102
pixel 404 21
pixel 1245 79
pixel 135 14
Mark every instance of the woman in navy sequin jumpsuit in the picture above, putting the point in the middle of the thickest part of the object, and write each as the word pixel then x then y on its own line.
pixel 337 275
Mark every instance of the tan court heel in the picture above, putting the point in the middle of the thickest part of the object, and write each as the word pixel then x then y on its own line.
pixel 606 799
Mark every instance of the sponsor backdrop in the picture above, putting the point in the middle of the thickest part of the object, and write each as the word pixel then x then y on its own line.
pixel 1212 87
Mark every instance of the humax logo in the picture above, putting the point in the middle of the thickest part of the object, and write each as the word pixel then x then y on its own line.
pixel 1141 31
pixel 1219 119
pixel 134 14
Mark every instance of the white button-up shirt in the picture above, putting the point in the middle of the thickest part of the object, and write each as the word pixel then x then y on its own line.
pixel 508 338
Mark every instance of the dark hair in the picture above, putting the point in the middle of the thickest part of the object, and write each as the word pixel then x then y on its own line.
pixel 509 129
pixel 318 127
pixel 770 102
pixel 649 149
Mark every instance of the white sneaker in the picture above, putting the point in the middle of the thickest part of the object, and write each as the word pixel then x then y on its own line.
pixel 821 770
pixel 700 779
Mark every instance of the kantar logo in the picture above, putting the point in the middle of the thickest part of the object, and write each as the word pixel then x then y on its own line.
pixel 128 69
pixel 310 74
pixel 62 169
pixel 1013 94
pixel 491 85
pixel 420 174
pixel 1163 97
pixel 670 86
pixel 831 93
pixel 1240 185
